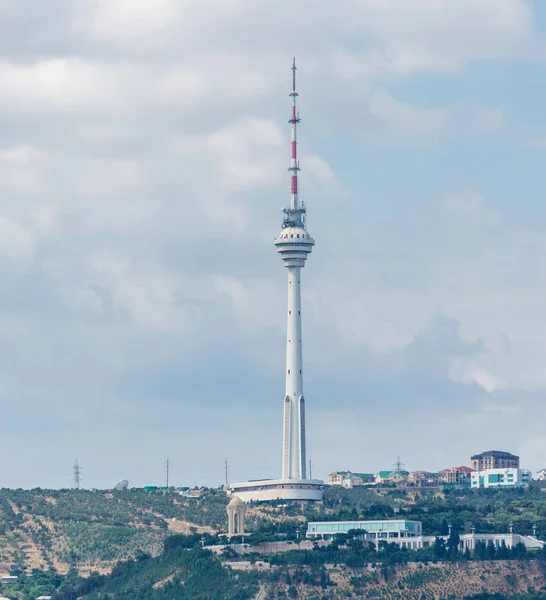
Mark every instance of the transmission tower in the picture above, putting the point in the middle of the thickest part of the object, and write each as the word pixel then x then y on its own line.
pixel 77 475
pixel 226 472
pixel 167 465
pixel 399 465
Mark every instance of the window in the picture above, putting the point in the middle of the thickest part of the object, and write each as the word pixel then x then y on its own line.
pixel 298 235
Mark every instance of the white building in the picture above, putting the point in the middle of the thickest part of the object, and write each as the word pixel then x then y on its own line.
pixel 379 530
pixel 294 244
pixel 500 477
pixel 265 490
pixel 409 534
pixel 349 480
pixel 541 475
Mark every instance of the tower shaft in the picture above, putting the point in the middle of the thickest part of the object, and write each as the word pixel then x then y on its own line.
pixel 294 456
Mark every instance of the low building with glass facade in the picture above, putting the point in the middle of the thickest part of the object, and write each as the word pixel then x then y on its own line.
pixel 409 534
pixel 500 478
pixel 373 530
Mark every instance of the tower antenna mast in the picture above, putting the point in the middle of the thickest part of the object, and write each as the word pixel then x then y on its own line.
pixel 294 165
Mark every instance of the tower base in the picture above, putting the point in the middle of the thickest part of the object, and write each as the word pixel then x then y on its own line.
pixel 267 490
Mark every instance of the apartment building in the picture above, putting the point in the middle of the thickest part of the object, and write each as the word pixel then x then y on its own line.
pixel 456 475
pixel 494 459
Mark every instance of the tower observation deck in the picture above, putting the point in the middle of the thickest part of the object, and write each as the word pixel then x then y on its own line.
pixel 294 244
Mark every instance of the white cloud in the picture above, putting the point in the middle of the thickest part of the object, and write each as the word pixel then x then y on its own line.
pixel 99 178
pixel 440 35
pixel 149 296
pixel 236 291
pixel 15 241
pixel 480 377
pixel 133 19
pixel 532 452
pixel 319 170
pixel 469 207
pixel 23 169
pixel 243 154
pixel 402 120
pixel 60 84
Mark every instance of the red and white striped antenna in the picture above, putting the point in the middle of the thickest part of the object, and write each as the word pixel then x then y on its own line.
pixel 294 165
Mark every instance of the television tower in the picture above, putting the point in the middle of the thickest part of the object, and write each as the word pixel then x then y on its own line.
pixel 294 244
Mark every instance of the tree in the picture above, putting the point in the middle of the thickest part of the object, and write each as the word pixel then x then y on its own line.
pixel 503 553
pixel 479 551
pixel 439 549
pixel 452 547
pixel 292 592
pixel 490 551
pixel 519 551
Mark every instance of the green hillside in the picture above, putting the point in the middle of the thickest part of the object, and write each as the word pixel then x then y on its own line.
pixel 64 528
pixel 91 530
pixel 182 572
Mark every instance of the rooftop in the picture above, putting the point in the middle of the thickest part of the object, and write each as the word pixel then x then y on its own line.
pixel 495 454
pixel 462 469
pixel 386 474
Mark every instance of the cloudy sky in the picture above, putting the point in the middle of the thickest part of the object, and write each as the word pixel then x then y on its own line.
pixel 143 154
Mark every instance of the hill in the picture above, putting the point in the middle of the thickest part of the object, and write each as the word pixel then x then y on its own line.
pixel 447 581
pixel 91 530
pixel 182 572
pixel 94 529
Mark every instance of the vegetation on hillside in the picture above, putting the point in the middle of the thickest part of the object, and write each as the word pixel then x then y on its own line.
pixel 38 583
pixel 487 510
pixel 184 571
pixel 65 528
pixel 92 530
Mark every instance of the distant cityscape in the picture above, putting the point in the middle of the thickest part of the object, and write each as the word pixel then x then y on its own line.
pixel 494 468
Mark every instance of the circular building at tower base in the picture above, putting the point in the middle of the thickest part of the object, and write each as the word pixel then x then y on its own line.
pixel 268 490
